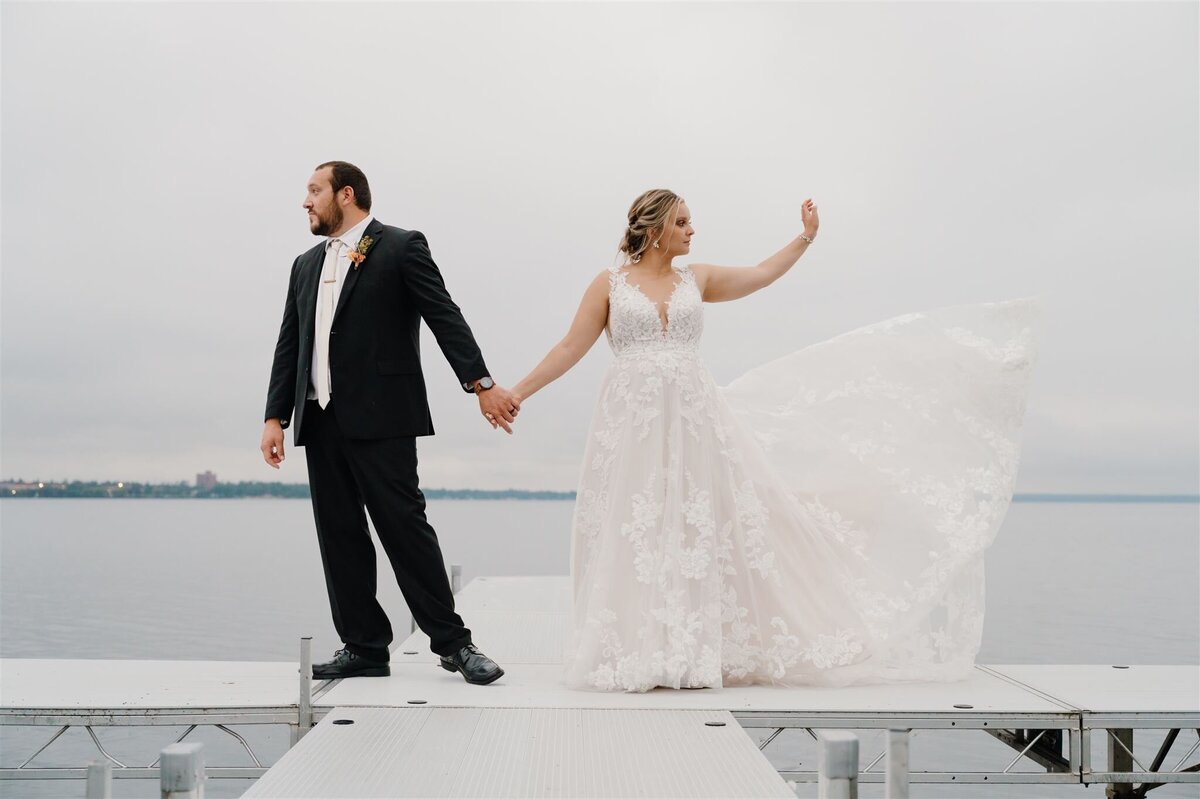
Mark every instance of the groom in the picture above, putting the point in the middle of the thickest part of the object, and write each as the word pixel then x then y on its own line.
pixel 347 378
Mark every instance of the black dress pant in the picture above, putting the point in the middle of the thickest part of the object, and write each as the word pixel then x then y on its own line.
pixel 345 475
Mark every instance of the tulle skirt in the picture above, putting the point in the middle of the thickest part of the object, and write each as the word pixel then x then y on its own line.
pixel 821 520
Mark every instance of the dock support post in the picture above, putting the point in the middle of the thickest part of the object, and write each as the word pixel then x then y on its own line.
pixel 837 777
pixel 1120 745
pixel 99 780
pixel 897 764
pixel 304 716
pixel 181 771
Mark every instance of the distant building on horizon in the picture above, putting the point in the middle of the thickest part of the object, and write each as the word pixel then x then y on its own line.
pixel 206 481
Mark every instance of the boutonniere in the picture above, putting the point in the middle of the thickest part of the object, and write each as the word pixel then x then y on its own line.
pixel 359 253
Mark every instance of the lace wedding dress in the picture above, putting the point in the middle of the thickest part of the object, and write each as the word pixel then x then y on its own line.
pixel 821 520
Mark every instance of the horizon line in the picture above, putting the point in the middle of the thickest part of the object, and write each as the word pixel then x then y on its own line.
pixel 12 487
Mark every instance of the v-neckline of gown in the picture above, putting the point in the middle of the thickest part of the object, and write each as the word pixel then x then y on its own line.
pixel 664 315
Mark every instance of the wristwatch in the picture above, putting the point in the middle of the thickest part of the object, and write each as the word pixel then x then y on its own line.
pixel 485 383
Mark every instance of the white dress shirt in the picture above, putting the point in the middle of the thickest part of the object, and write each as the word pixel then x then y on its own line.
pixel 349 241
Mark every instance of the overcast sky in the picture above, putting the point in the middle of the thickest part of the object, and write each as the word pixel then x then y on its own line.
pixel 155 157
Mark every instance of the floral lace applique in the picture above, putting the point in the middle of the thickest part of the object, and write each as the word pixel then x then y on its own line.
pixel 827 517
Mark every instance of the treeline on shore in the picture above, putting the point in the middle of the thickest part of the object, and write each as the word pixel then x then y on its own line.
pixel 246 489
pixel 256 489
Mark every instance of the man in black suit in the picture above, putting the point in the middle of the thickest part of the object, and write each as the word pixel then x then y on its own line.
pixel 347 378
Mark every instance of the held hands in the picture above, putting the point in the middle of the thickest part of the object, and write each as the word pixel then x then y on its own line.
pixel 272 443
pixel 499 407
pixel 808 215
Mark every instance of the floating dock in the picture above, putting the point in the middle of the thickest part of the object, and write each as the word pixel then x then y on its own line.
pixel 424 731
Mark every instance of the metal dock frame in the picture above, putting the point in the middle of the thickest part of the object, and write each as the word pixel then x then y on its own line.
pixel 1021 731
pixel 300 717
pixel 1124 770
pixel 1050 717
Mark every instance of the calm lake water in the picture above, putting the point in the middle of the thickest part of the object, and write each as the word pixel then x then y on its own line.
pixel 242 580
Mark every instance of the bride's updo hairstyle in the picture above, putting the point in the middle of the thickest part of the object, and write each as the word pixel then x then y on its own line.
pixel 651 211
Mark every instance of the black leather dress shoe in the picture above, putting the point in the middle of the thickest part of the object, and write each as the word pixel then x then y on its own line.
pixel 475 667
pixel 347 664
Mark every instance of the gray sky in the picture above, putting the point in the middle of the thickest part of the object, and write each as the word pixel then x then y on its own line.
pixel 155 156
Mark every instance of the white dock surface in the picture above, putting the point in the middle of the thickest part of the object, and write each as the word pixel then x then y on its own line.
pixel 521 623
pixel 534 685
pixel 28 684
pixel 512 752
pixel 424 731
pixel 1110 690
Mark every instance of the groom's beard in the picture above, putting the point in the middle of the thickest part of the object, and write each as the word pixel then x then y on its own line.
pixel 326 225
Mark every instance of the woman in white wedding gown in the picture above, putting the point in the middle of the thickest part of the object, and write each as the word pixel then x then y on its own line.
pixel 820 520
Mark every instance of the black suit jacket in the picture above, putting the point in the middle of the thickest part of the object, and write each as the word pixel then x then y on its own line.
pixel 378 389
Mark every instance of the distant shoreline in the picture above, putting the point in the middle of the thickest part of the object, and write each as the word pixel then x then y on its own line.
pixel 260 490
pixel 1142 498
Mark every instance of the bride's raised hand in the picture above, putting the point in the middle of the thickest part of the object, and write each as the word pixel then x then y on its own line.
pixel 808 215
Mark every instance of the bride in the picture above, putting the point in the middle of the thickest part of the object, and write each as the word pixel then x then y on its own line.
pixel 820 520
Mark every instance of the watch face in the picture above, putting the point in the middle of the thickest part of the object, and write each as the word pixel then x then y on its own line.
pixel 486 383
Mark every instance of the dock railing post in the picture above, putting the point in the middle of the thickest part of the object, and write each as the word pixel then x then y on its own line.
pixel 837 776
pixel 897 764
pixel 181 771
pixel 304 714
pixel 99 780
pixel 1120 745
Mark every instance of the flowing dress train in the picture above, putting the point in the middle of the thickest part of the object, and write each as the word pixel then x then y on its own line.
pixel 820 520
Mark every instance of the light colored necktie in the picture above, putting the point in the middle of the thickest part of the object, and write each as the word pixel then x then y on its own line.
pixel 328 302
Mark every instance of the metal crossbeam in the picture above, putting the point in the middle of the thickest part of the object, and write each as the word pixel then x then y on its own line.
pixel 1121 774
pixel 1058 771
pixel 44 747
pixel 99 746
pixel 131 773
pixel 24 771
pixel 1046 753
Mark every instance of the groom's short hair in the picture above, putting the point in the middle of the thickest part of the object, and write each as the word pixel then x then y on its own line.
pixel 347 174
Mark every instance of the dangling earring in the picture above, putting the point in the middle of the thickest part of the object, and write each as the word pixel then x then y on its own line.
pixel 656 245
